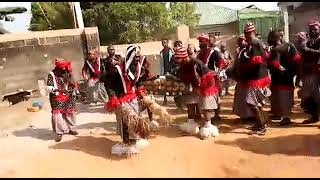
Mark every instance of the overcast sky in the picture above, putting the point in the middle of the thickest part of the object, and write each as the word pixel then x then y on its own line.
pixel 266 6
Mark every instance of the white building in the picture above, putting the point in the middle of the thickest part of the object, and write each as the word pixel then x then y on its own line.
pixel 21 22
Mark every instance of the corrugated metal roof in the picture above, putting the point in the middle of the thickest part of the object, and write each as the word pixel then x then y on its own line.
pixel 262 14
pixel 213 14
pixel 254 12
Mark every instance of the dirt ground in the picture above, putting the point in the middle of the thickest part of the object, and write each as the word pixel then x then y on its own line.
pixel 27 148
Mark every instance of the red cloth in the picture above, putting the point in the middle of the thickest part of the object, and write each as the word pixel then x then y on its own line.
pixel 61 97
pixel 274 64
pixel 296 58
pixel 141 91
pixel 253 61
pixel 63 63
pixel 222 64
pixel 95 66
pixel 112 104
pixel 259 83
pixel 208 85
pixel 114 101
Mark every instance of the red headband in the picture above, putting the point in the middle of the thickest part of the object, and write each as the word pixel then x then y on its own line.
pixel 180 52
pixel 63 63
pixel 249 27
pixel 203 37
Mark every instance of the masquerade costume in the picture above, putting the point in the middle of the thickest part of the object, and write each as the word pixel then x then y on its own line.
pixel 310 76
pixel 61 86
pixel 283 64
pixel 91 71
pixel 252 83
pixel 124 102
pixel 201 94
pixel 210 57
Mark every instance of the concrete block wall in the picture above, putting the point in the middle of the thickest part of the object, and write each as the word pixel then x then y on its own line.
pixel 26 58
pixel 300 21
pixel 152 49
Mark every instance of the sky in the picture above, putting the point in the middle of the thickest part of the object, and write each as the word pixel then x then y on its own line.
pixel 266 6
pixel 22 21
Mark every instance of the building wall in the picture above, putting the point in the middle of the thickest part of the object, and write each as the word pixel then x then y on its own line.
pixel 26 58
pixel 152 49
pixel 299 20
pixel 224 29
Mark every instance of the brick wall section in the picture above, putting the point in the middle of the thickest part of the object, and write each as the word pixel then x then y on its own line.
pixel 152 49
pixel 300 22
pixel 224 29
pixel 26 58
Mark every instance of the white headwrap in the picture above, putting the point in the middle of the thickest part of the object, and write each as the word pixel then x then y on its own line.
pixel 129 57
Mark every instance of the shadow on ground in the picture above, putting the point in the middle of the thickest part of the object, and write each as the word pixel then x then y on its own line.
pixel 109 126
pixel 96 146
pixel 42 134
pixel 304 145
pixel 47 134
pixel 86 108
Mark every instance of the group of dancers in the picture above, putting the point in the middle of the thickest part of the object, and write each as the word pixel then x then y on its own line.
pixel 259 71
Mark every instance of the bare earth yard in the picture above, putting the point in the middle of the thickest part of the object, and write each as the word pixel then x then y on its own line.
pixel 27 148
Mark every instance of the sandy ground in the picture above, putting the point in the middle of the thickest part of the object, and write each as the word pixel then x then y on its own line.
pixel 27 148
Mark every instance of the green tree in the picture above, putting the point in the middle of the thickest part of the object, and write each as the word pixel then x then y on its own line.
pixel 131 22
pixel 51 15
pixel 118 22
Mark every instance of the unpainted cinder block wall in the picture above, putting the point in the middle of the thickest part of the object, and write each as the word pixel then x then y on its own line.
pixel 152 49
pixel 26 58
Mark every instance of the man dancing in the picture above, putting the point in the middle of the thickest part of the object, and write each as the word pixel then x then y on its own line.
pixel 311 70
pixel 141 71
pixel 252 77
pixel 123 101
pixel 283 64
pixel 61 86
pixel 202 93
pixel 211 58
pixel 91 72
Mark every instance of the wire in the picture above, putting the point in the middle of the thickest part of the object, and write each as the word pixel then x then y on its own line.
pixel 44 15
